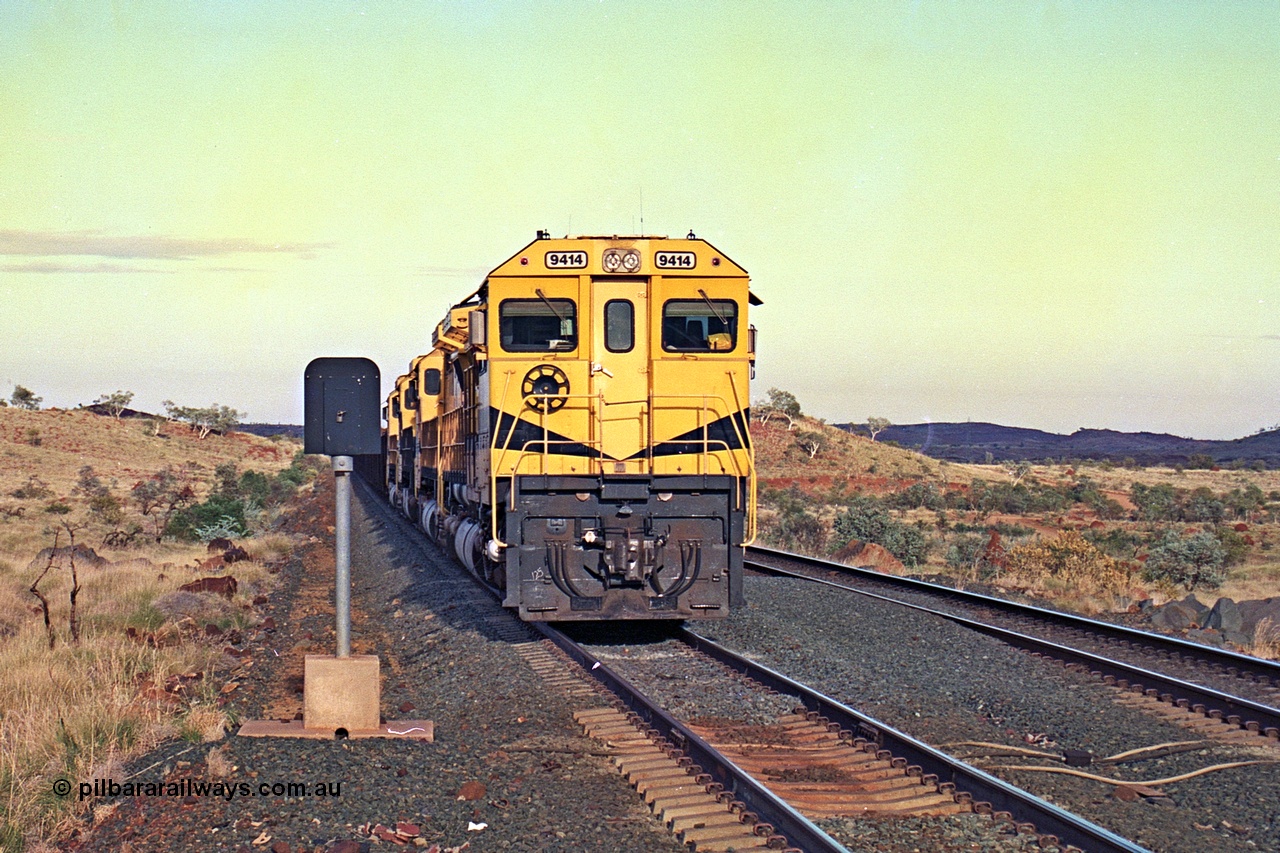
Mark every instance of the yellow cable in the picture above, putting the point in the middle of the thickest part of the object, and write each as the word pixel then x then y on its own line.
pixel 1121 756
pixel 1131 782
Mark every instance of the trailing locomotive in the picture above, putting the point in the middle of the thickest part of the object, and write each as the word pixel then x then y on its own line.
pixel 577 434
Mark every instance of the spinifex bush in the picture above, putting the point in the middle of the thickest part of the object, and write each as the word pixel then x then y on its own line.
pixel 1067 557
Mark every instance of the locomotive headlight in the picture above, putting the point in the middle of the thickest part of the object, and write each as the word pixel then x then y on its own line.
pixel 621 260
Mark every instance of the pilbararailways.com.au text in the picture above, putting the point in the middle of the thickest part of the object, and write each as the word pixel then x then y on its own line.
pixel 107 788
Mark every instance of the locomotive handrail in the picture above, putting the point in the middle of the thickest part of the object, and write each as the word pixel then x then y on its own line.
pixel 493 466
pixel 751 462
pixel 743 444
pixel 707 403
pixel 597 442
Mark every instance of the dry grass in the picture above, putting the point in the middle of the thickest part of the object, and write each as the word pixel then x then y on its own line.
pixel 1266 639
pixel 75 708
pixel 78 710
pixel 845 456
pixel 1255 579
pixel 218 764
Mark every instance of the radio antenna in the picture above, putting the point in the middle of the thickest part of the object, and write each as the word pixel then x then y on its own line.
pixel 642 211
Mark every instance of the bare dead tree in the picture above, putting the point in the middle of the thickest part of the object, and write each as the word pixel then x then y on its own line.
pixel 35 590
pixel 72 623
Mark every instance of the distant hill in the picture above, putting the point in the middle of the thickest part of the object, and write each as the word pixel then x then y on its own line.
pixel 971 442
pixel 267 430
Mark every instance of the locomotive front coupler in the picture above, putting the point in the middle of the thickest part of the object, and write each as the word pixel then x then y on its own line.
pixel 628 554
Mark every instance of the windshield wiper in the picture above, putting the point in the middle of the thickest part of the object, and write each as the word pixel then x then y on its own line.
pixel 544 298
pixel 712 306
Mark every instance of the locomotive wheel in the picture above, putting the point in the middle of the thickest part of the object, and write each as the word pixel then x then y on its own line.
pixel 545 379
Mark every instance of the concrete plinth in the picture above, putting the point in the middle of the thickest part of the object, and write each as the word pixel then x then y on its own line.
pixel 340 698
pixel 341 693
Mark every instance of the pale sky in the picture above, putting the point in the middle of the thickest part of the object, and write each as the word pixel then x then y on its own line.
pixel 1051 215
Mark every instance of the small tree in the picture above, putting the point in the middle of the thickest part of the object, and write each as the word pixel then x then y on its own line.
pixel 115 403
pixel 877 425
pixel 1018 471
pixel 213 418
pixel 25 398
pixel 72 621
pixel 810 442
pixel 162 494
pixel 784 403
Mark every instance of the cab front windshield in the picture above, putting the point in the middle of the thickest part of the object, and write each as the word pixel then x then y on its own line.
pixel 538 325
pixel 700 325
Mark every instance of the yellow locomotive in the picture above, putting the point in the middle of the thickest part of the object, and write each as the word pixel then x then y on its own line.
pixel 577 434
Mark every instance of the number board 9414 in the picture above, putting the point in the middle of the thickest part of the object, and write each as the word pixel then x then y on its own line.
pixel 675 260
pixel 566 260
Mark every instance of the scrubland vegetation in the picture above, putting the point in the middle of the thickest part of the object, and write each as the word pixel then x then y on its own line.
pixel 1095 537
pixel 101 655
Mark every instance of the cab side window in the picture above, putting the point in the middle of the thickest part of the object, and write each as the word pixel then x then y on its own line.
pixel 538 325
pixel 431 381
pixel 699 325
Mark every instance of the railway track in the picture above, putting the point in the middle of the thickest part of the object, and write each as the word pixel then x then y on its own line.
pixel 1206 688
pixel 769 784
pixel 821 760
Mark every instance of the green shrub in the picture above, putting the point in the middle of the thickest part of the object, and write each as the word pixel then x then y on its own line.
pixel 1155 503
pixel 867 519
pixel 1115 542
pixel 1195 561
pixel 219 510
pixel 34 488
pixel 965 552
pixel 1234 544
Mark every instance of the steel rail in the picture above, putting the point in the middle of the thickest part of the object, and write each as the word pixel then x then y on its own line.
pixel 798 830
pixel 1235 710
pixel 1242 663
pixel 989 793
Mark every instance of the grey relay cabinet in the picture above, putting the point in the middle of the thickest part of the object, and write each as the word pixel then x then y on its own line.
pixel 341 407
